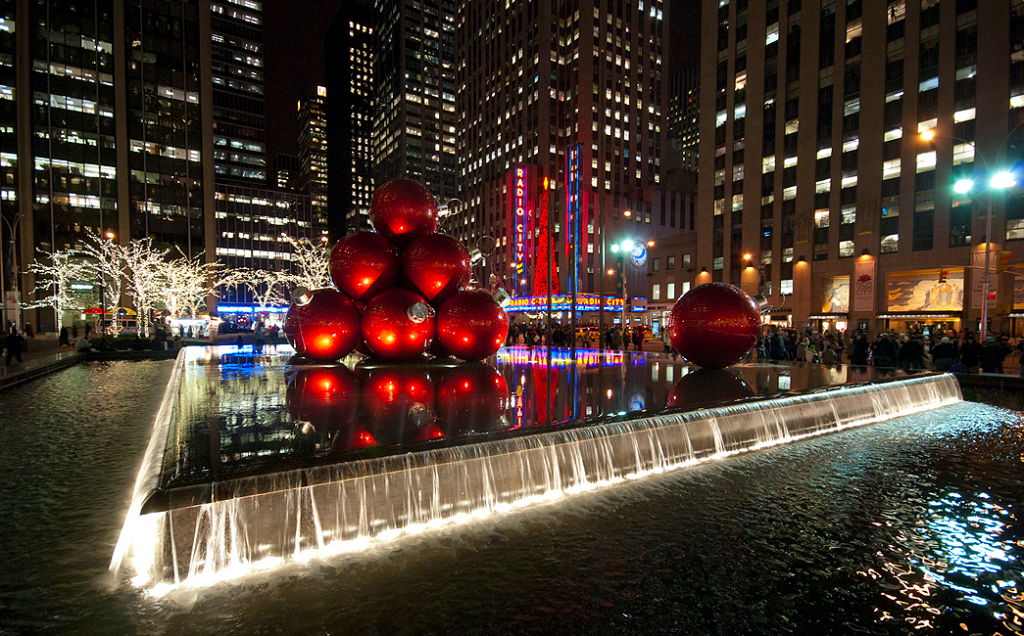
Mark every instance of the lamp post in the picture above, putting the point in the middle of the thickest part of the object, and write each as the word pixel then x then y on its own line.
pixel 12 228
pixel 103 310
pixel 999 181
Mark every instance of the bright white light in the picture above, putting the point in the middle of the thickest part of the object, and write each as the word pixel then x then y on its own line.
pixel 627 245
pixel 1003 180
pixel 963 186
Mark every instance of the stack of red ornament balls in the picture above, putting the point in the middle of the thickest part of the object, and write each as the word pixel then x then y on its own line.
pixel 401 291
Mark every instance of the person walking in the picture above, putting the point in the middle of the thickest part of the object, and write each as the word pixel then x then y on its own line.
pixel 260 336
pixel 15 345
pixel 638 338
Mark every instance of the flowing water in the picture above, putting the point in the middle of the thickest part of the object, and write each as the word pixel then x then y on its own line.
pixel 912 525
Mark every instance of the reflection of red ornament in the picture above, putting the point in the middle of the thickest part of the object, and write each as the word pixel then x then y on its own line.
pixel 398 402
pixel 327 327
pixel 437 266
pixel 705 388
pixel 471 397
pixel 402 211
pixel 714 325
pixel 364 264
pixel 326 398
pixel 472 325
pixel 398 324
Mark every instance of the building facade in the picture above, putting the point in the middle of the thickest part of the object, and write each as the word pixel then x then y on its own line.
pixel 849 218
pixel 414 126
pixel 350 184
pixel 106 122
pixel 313 153
pixel 239 137
pixel 572 95
pixel 684 115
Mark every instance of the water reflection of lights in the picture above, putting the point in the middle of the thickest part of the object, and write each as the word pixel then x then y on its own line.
pixel 958 547
pixel 563 357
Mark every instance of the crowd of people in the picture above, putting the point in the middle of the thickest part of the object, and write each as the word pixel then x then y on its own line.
pixel 953 351
pixel 615 338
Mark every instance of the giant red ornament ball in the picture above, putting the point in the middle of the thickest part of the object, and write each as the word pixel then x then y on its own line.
pixel 714 325
pixel 706 388
pixel 323 398
pixel 398 324
pixel 402 211
pixel 437 266
pixel 325 328
pixel 472 325
pixel 364 264
pixel 471 397
pixel 398 401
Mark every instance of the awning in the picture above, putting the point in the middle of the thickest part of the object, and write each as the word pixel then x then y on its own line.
pixel 827 316
pixel 920 316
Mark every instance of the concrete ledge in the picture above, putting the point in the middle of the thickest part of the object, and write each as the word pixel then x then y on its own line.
pixel 1001 381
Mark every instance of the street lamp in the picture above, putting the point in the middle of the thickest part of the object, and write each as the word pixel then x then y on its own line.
pixel 625 246
pixel 103 309
pixel 999 181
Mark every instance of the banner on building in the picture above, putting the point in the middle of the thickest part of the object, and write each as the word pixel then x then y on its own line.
pixel 836 295
pixel 927 290
pixel 1018 289
pixel 864 285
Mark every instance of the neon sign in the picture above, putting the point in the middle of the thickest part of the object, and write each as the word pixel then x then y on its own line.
pixel 543 281
pixel 519 203
pixel 563 302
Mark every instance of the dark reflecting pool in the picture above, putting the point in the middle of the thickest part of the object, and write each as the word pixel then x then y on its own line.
pixel 907 526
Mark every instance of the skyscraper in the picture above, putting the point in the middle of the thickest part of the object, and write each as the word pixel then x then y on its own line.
pixel 573 93
pixel 350 54
pixel 238 121
pixel 313 153
pixel 684 114
pixel 112 126
pixel 414 126
pixel 850 215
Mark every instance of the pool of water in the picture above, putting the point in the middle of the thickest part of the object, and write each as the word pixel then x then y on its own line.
pixel 910 526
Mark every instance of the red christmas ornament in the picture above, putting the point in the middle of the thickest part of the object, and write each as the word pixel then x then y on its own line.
pixel 402 211
pixel 705 388
pixel 323 398
pixel 471 397
pixel 364 264
pixel 437 266
pixel 398 402
pixel 398 324
pixel 472 325
pixel 714 325
pixel 323 325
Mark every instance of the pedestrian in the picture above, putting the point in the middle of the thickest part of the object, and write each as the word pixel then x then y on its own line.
pixel 970 353
pixel 63 341
pixel 943 354
pixel 260 336
pixel 859 355
pixel 15 345
pixel 993 354
pixel 638 338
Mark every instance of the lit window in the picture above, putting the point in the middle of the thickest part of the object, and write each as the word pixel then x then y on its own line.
pixel 821 218
pixel 786 287
pixel 891 169
pixel 889 244
pixel 926 161
pixel 768 164
pixel 845 249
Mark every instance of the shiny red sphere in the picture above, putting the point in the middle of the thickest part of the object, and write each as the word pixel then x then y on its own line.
pixel 364 264
pixel 402 211
pixel 472 325
pixel 437 266
pixel 323 398
pixel 398 401
pixel 705 388
pixel 326 328
pixel 471 397
pixel 390 329
pixel 714 325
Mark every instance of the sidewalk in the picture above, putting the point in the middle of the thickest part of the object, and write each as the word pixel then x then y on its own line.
pixel 43 357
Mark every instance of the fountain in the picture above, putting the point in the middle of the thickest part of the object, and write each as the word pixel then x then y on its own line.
pixel 256 460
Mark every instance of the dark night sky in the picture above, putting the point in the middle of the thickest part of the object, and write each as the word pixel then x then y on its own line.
pixel 293 37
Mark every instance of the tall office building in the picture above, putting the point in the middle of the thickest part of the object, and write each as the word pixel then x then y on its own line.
pixel 238 120
pixel 849 213
pixel 285 173
pixel 110 127
pixel 414 69
pixel 684 115
pixel 571 94
pixel 350 184
pixel 313 153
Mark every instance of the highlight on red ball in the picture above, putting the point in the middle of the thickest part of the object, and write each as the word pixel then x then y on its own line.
pixel 437 266
pixel 402 211
pixel 398 324
pixel 714 325
pixel 364 264
pixel 472 325
pixel 323 325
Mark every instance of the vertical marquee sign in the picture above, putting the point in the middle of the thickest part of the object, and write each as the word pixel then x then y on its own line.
pixel 520 178
pixel 572 216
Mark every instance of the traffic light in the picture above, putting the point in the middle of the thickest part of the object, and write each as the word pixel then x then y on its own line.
pixel 943 273
pixel 1003 261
